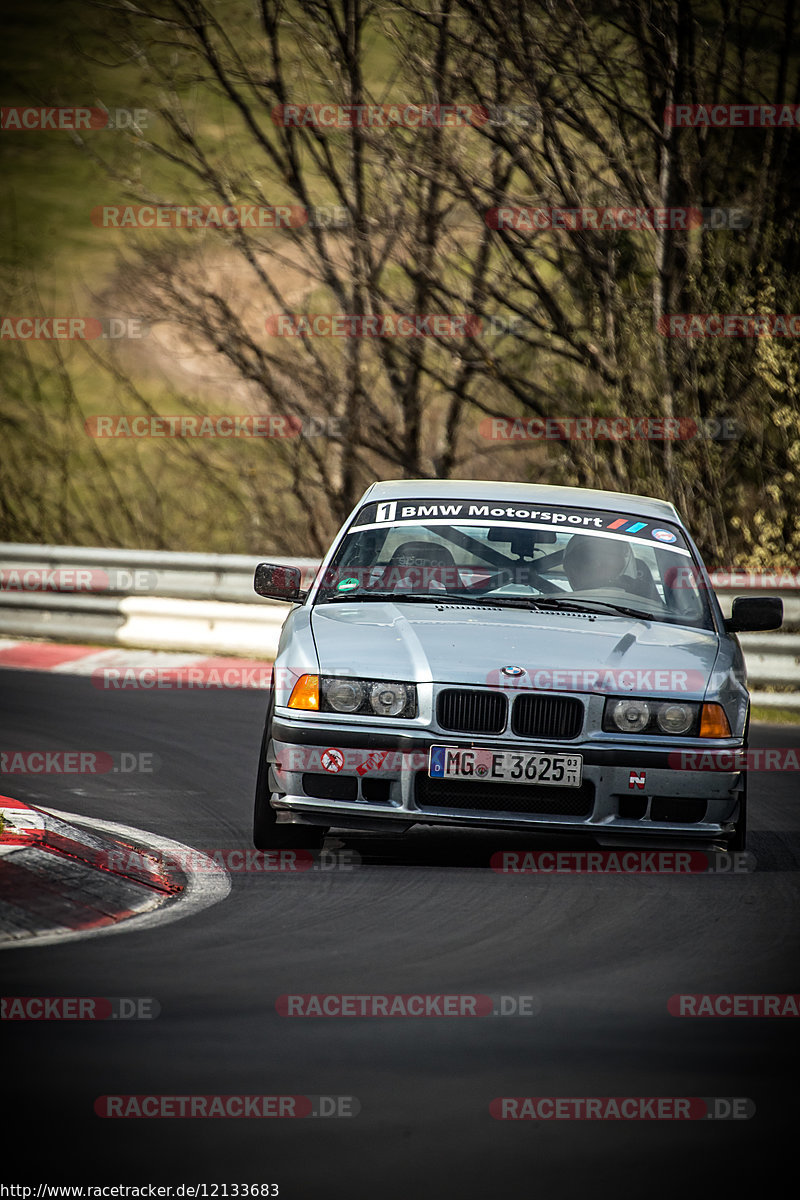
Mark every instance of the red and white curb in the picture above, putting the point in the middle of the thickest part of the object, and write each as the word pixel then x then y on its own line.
pixel 117 668
pixel 20 825
pixel 26 825
pixel 172 880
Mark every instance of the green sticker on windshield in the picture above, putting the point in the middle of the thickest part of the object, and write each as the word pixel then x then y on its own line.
pixel 347 585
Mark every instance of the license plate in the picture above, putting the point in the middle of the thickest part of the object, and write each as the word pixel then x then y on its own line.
pixel 506 766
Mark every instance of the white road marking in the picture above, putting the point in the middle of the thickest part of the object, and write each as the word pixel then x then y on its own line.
pixel 207 883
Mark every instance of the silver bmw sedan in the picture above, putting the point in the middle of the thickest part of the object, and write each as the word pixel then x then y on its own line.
pixel 513 656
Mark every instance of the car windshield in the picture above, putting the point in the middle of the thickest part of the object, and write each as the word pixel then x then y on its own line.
pixel 592 560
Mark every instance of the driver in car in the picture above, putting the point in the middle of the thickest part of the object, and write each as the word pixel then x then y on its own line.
pixel 600 562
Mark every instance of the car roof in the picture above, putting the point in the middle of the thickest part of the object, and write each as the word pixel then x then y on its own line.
pixel 525 493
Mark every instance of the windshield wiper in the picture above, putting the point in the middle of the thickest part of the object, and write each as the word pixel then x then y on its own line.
pixel 532 604
pixel 434 598
pixel 545 602
pixel 425 597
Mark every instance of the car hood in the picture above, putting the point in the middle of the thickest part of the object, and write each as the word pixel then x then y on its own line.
pixel 466 644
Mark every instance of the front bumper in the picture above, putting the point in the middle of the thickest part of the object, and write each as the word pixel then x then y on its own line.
pixel 376 779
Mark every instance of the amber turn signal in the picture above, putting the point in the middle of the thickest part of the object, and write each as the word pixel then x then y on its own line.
pixel 305 693
pixel 713 722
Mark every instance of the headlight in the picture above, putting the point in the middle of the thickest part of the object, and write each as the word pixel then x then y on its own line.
pixel 631 716
pixel 343 695
pixel 388 699
pixel 676 718
pixel 367 697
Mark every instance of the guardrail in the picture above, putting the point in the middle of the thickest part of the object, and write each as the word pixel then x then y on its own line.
pixel 157 599
pixel 152 599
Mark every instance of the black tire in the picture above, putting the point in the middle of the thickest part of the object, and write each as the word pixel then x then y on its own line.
pixel 737 842
pixel 267 833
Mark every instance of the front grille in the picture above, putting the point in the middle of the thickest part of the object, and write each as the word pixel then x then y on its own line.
pixel 547 716
pixel 466 711
pixel 503 797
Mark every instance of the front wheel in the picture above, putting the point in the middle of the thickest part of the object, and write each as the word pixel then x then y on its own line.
pixel 267 833
pixel 737 842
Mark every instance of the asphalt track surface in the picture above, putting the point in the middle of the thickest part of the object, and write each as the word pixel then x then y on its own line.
pixel 602 954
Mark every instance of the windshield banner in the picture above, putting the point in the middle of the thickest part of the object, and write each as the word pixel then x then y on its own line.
pixel 473 512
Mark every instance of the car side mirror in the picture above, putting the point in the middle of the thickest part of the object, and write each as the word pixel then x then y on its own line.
pixel 278 583
pixel 755 613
